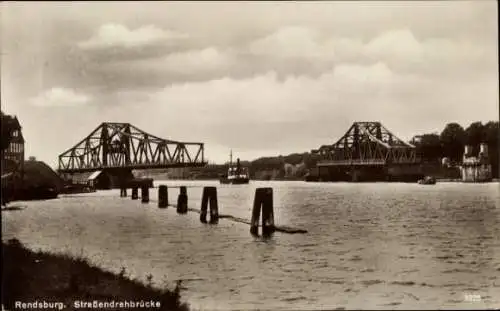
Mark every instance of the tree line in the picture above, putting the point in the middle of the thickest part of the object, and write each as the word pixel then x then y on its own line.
pixel 451 142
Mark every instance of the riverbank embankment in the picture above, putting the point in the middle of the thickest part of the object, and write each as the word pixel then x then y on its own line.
pixel 43 277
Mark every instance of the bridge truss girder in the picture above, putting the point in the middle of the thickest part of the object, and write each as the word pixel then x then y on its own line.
pixel 368 143
pixel 122 145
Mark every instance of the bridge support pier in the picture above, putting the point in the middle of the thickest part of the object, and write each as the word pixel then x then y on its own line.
pixel 209 195
pixel 162 196
pixel 144 194
pixel 182 201
pixel 263 201
pixel 355 175
pixel 135 193
pixel 123 192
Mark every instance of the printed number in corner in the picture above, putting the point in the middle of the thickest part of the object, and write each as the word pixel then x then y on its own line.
pixel 472 297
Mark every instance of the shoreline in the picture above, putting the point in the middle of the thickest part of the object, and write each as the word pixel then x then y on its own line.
pixel 69 282
pixel 494 180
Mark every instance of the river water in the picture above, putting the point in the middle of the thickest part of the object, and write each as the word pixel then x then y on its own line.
pixel 369 245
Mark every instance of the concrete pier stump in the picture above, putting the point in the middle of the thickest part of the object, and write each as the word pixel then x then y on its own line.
pixel 145 194
pixel 162 196
pixel 263 201
pixel 182 201
pixel 135 193
pixel 209 197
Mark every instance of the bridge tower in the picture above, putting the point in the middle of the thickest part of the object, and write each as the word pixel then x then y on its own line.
pixel 368 152
pixel 115 149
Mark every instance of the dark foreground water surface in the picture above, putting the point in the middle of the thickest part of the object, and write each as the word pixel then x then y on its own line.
pixel 375 245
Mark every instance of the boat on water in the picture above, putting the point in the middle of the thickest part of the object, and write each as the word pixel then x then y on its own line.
pixel 236 174
pixel 428 180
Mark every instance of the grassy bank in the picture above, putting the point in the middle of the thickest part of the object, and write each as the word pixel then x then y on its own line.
pixel 29 276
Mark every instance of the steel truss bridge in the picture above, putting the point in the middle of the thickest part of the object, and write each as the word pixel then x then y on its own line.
pixel 368 145
pixel 124 146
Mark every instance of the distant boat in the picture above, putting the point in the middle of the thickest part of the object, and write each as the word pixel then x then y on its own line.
pixel 236 175
pixel 428 180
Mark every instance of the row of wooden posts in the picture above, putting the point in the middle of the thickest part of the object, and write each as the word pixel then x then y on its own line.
pixel 263 202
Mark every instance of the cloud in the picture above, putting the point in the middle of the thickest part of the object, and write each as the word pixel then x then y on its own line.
pixel 293 42
pixel 399 48
pixel 289 50
pixel 264 111
pixel 399 43
pixel 297 113
pixel 116 35
pixel 60 97
pixel 209 58
pixel 196 61
pixel 286 77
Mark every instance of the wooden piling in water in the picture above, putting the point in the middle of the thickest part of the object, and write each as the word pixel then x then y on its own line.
pixel 162 196
pixel 209 196
pixel 214 208
pixel 268 213
pixel 182 201
pixel 254 222
pixel 263 201
pixel 123 192
pixel 183 190
pixel 204 203
pixel 135 193
pixel 145 194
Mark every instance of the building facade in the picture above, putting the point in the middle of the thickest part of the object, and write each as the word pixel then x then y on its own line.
pixel 476 168
pixel 13 155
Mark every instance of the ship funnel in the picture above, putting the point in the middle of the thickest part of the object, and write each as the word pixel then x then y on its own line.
pixel 238 167
pixel 483 148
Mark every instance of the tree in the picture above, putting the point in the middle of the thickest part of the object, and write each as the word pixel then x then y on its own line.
pixel 475 134
pixel 453 141
pixel 429 147
pixel 492 133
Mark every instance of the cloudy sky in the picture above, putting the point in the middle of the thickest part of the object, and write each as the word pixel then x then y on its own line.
pixel 259 78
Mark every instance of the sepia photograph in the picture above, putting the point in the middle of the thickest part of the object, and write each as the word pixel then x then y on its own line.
pixel 250 155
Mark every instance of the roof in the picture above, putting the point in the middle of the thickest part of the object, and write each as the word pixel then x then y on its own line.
pixel 94 175
pixel 85 176
pixel 39 173
pixel 12 124
pixel 81 177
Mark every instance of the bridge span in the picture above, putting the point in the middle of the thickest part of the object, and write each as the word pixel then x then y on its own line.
pixel 118 148
pixel 368 151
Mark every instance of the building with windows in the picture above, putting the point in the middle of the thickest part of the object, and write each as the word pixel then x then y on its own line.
pixel 476 168
pixel 12 154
